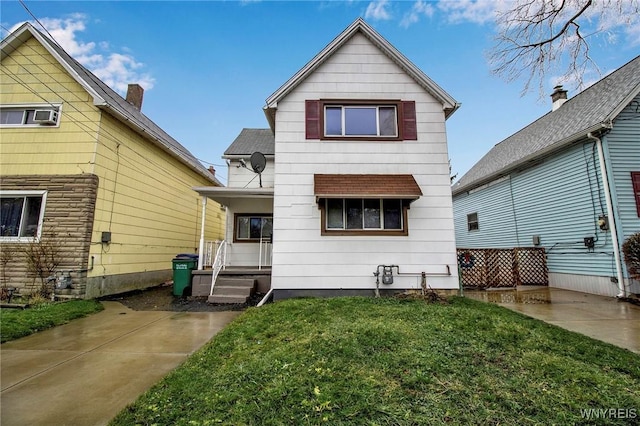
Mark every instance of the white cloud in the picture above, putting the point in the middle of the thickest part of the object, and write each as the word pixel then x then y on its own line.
pixel 377 11
pixel 620 17
pixel 116 69
pixel 475 11
pixel 419 8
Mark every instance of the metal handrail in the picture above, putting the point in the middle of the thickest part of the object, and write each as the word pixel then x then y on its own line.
pixel 218 263
pixel 211 247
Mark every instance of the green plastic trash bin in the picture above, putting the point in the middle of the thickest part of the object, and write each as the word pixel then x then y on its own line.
pixel 183 264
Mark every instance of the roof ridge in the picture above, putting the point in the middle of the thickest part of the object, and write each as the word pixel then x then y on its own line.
pixel 589 110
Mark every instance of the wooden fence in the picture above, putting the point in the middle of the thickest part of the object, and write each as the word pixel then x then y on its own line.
pixel 484 268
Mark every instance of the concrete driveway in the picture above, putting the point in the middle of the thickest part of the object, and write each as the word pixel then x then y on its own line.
pixel 87 371
pixel 602 318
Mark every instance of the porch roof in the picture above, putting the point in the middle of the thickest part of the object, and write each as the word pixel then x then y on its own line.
pixel 225 195
pixel 366 186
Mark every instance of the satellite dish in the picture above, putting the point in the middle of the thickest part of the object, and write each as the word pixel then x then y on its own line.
pixel 258 162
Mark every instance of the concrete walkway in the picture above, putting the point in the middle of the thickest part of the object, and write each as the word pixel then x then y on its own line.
pixel 87 371
pixel 603 318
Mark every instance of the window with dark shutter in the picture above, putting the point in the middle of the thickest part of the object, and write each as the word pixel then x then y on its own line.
pixel 312 119
pixel 355 119
pixel 635 180
pixel 409 126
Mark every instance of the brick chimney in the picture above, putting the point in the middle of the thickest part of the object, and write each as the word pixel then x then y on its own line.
pixel 135 92
pixel 558 97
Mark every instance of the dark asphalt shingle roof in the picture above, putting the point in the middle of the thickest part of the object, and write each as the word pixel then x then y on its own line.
pixel 583 113
pixel 252 140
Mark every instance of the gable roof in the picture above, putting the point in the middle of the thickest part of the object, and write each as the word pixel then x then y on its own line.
pixel 250 141
pixel 593 110
pixel 106 98
pixel 360 26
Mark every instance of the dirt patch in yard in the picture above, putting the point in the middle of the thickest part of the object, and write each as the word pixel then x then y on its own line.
pixel 161 298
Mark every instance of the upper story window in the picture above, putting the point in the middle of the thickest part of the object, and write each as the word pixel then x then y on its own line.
pixel 384 120
pixel 29 115
pixel 361 120
pixel 21 214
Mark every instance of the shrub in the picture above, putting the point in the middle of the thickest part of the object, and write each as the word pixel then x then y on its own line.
pixel 631 250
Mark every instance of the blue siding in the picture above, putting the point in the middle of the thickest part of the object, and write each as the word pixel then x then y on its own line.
pixel 558 200
pixel 495 218
pixel 623 146
pixel 561 200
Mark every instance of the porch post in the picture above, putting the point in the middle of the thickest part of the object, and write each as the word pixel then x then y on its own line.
pixel 201 249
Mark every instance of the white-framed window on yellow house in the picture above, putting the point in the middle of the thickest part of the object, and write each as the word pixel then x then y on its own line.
pixel 34 115
pixel 21 215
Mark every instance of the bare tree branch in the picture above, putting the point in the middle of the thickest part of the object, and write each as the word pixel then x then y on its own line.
pixel 538 37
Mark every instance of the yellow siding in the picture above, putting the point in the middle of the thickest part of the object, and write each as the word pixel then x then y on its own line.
pixel 30 75
pixel 146 201
pixel 144 195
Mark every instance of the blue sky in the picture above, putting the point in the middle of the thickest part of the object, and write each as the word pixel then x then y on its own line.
pixel 208 66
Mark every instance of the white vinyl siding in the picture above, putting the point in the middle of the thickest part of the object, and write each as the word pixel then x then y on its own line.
pixel 305 259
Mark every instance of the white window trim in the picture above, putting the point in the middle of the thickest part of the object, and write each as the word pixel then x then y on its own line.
pixel 28 193
pixel 343 122
pixel 54 105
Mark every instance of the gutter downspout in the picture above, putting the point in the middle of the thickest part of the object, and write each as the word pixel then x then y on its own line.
pixel 201 249
pixel 612 220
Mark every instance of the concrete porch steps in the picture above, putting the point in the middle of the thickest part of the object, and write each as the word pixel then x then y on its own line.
pixel 232 290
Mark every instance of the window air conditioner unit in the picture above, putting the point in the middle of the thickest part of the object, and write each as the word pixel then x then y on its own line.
pixel 45 116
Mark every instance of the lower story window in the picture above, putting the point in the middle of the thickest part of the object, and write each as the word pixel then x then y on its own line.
pixel 472 222
pixel 364 215
pixel 21 214
pixel 253 227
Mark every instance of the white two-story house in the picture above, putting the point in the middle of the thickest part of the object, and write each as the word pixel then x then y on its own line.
pixel 355 185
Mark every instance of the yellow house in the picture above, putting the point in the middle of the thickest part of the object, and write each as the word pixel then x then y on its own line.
pixel 93 192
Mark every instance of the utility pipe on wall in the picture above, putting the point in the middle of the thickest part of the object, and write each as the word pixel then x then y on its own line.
pixel 612 219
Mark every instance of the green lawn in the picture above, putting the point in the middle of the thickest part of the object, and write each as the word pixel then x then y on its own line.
pixel 15 323
pixel 392 362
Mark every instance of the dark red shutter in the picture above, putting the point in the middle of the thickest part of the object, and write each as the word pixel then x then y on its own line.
pixel 635 180
pixel 409 127
pixel 312 119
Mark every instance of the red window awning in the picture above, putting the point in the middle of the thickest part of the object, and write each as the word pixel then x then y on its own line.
pixel 366 186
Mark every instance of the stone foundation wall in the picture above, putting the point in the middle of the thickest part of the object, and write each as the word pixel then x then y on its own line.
pixel 67 226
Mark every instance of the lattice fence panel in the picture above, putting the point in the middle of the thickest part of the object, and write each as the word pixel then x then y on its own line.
pixel 531 266
pixel 502 267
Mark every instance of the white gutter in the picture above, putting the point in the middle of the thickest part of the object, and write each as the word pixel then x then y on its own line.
pixel 612 221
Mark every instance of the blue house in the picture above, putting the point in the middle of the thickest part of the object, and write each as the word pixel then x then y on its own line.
pixel 568 182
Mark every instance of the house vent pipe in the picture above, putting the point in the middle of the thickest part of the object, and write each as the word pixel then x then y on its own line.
pixel 612 219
